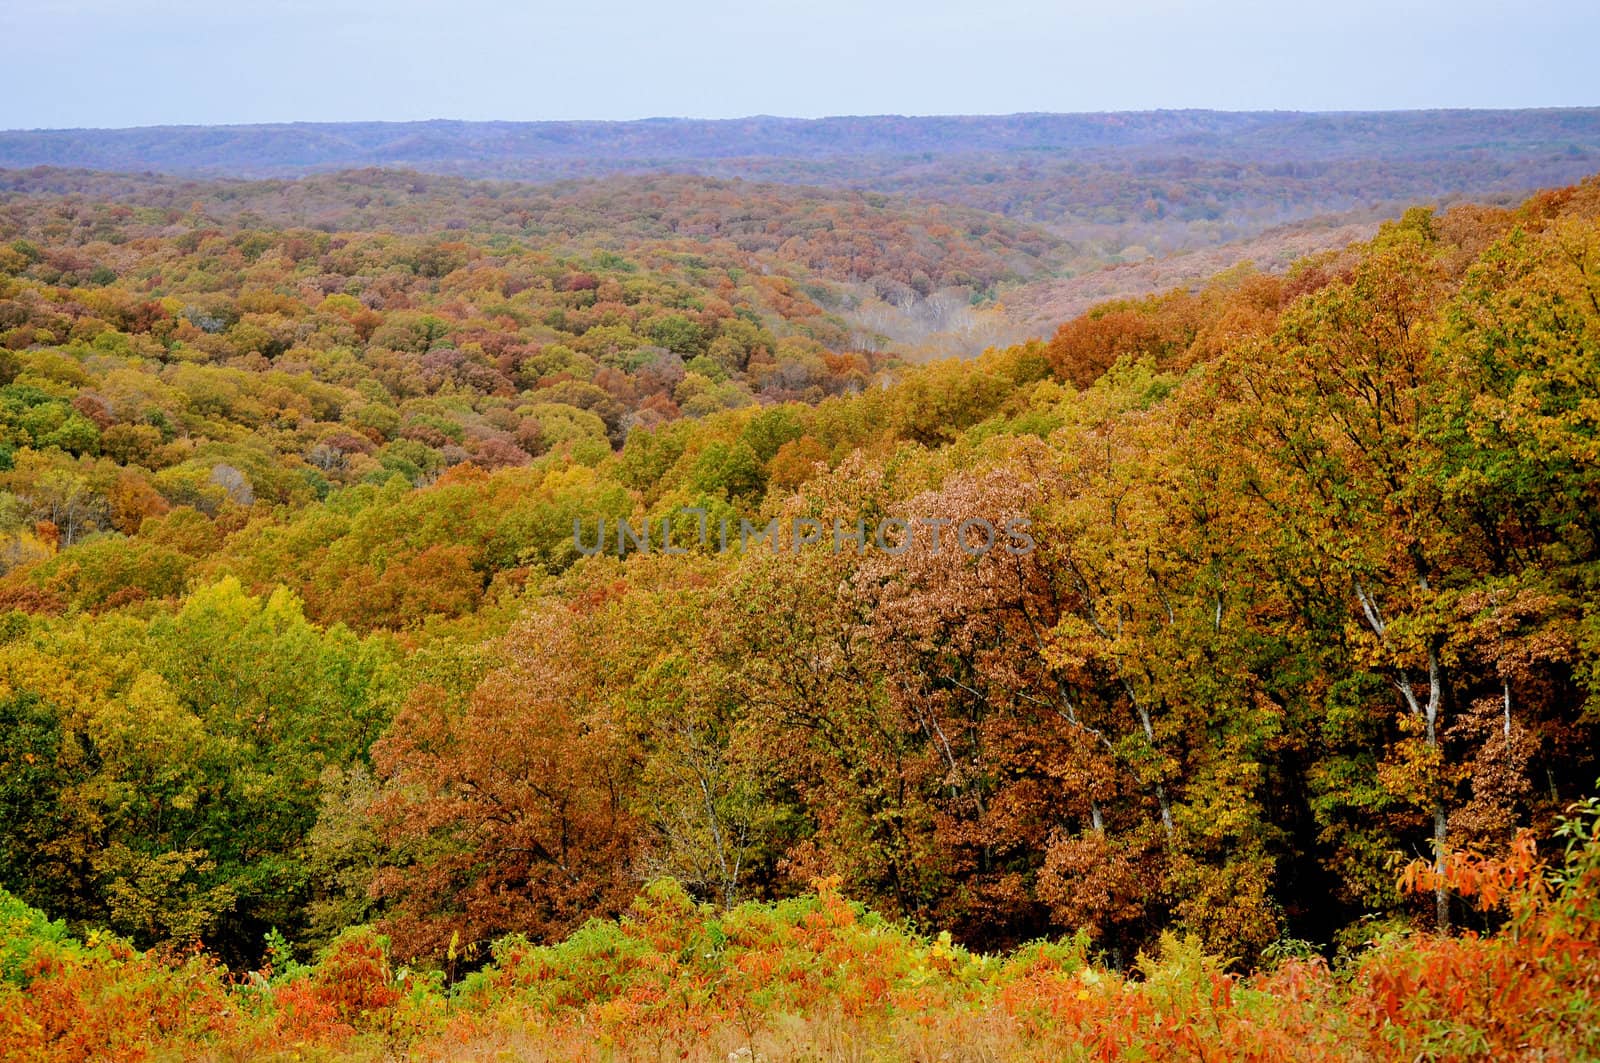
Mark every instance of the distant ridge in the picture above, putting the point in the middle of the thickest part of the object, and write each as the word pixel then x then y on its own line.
pixel 543 150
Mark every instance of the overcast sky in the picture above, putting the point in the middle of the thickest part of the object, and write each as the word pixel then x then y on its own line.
pixel 145 62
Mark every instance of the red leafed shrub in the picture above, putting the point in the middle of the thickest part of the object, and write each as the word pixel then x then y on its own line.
pixel 354 976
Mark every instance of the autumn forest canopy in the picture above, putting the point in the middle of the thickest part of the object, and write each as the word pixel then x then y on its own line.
pixel 319 729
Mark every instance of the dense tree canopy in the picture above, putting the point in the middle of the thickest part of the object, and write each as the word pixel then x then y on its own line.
pixel 297 633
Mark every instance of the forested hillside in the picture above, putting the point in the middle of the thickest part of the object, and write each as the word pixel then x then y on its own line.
pixel 1275 743
pixel 1117 186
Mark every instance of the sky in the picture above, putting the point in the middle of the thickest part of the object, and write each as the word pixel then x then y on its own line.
pixel 112 63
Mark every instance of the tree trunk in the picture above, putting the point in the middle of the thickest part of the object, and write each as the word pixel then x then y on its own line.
pixel 1441 896
pixel 1429 713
